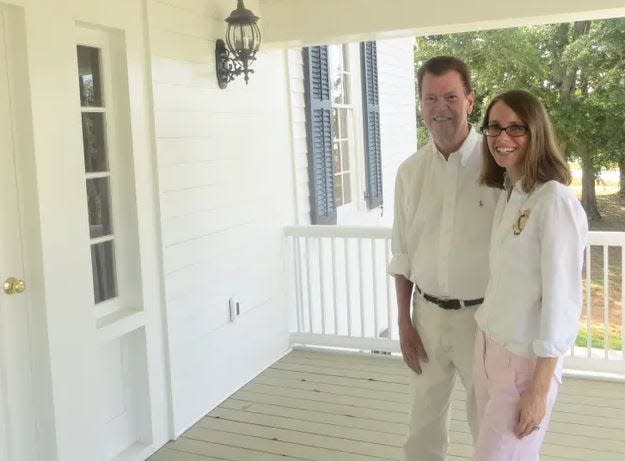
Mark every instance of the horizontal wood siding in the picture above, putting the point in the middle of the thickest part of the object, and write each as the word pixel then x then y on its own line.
pixel 225 195
pixel 398 132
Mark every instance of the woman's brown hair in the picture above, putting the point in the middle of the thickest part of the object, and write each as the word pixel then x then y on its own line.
pixel 543 160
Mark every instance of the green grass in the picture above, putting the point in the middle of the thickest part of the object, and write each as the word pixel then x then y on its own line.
pixel 615 340
pixel 603 187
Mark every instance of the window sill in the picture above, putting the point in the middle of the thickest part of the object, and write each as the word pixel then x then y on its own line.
pixel 119 323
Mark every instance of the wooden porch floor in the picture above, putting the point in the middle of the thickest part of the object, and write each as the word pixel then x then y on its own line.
pixel 324 406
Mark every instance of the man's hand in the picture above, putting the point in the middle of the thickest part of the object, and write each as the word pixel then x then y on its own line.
pixel 409 339
pixel 411 346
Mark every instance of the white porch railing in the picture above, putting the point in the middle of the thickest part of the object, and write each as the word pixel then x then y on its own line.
pixel 342 297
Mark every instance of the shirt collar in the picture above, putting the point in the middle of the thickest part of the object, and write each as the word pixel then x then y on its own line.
pixel 516 187
pixel 465 151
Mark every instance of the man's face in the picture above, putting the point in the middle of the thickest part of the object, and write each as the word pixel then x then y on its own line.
pixel 445 107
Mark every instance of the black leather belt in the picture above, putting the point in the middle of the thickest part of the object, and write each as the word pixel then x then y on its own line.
pixel 446 303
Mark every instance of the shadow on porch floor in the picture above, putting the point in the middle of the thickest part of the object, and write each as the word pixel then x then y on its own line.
pixel 324 406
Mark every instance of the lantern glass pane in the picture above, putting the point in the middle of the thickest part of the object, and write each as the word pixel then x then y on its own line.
pixel 243 37
pixel 239 35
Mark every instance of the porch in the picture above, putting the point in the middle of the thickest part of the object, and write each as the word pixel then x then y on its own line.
pixel 351 403
pixel 314 405
pixel 140 200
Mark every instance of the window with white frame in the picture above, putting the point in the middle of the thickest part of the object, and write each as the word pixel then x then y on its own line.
pixel 109 173
pixel 342 113
pixel 97 174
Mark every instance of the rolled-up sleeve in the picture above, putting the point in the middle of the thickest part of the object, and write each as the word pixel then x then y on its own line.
pixel 563 234
pixel 400 262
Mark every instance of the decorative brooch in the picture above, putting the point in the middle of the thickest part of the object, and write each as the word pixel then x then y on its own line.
pixel 521 222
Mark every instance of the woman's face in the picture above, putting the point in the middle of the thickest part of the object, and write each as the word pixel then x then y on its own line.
pixel 507 150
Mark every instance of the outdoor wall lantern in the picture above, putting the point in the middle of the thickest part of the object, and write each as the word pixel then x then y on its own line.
pixel 236 55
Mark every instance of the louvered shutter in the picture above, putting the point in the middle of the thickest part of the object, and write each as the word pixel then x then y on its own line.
pixel 371 123
pixel 319 135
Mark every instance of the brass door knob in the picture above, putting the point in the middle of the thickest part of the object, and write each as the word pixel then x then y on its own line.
pixel 13 286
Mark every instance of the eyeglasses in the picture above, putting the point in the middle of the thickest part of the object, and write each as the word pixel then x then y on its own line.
pixel 513 130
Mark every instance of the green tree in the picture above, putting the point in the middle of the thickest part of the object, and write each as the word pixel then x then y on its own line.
pixel 576 69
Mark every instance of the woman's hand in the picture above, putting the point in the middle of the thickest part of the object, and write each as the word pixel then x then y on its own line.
pixel 533 402
pixel 532 407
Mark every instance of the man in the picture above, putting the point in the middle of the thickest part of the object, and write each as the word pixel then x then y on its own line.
pixel 441 234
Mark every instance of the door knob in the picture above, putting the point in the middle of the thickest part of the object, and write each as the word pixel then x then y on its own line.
pixel 13 286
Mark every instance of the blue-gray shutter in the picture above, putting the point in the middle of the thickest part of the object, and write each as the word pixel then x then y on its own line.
pixel 371 123
pixel 319 135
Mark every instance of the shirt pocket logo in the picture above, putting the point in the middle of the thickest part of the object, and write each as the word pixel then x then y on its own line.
pixel 521 221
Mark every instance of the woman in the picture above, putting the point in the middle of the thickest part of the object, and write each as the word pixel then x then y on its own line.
pixel 531 310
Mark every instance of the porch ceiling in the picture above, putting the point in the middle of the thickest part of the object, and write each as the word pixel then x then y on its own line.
pixel 310 22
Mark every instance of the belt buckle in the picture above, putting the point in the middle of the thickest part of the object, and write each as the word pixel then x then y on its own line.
pixel 445 303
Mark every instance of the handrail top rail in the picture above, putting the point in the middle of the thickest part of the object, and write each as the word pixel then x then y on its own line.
pixel 338 231
pixel 609 238
pixel 606 238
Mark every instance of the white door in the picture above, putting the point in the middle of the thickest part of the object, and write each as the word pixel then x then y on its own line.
pixel 17 418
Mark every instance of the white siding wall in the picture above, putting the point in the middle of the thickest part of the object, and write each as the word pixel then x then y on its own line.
pixel 224 169
pixel 397 127
pixel 298 129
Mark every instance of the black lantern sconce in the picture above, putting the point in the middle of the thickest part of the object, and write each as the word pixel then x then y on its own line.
pixel 236 55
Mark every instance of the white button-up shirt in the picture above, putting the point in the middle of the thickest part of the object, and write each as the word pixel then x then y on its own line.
pixel 534 296
pixel 442 221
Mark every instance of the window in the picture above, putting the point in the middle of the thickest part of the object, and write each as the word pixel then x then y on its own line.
pixel 342 113
pixel 97 174
pixel 109 173
pixel 336 161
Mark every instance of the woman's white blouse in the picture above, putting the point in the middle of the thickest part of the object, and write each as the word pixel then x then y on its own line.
pixel 534 295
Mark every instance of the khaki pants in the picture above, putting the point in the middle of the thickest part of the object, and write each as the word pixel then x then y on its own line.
pixel 448 337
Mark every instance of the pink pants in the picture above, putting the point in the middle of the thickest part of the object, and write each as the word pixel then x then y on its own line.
pixel 499 379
